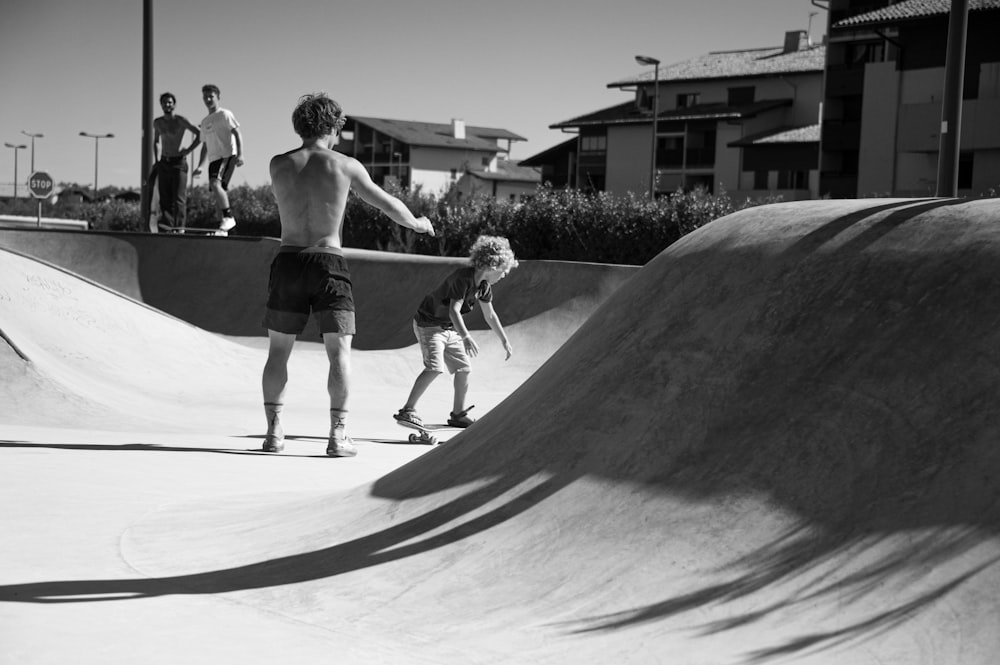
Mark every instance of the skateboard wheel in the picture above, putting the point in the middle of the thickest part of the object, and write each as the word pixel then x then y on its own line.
pixel 414 438
pixel 431 441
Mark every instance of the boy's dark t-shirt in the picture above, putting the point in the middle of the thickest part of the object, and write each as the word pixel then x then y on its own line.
pixel 459 285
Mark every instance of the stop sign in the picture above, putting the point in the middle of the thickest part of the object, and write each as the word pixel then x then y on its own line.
pixel 40 184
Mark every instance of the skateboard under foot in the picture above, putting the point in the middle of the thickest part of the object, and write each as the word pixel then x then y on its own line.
pixel 426 435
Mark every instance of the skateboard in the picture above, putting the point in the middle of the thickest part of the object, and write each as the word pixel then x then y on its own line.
pixel 163 228
pixel 425 435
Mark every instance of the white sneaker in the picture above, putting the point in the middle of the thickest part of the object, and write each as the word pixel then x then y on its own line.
pixel 220 232
pixel 227 223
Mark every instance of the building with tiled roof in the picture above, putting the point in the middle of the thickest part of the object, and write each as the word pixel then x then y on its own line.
pixel 910 9
pixel 432 156
pixel 882 120
pixel 503 180
pixel 707 107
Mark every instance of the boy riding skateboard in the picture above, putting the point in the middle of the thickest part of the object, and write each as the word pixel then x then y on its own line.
pixel 439 326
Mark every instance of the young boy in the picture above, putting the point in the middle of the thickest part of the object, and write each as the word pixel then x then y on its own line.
pixel 445 342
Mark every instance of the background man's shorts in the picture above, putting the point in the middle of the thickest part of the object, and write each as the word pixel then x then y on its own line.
pixel 222 170
pixel 310 279
pixel 442 349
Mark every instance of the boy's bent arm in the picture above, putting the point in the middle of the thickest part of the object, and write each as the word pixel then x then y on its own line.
pixel 455 314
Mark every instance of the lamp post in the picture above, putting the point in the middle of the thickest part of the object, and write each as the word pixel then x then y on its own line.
pixel 399 168
pixel 33 137
pixel 646 60
pixel 15 148
pixel 97 138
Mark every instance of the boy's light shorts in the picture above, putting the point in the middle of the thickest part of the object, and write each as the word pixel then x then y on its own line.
pixel 442 349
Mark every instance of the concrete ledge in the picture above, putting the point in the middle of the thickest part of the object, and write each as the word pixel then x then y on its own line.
pixel 22 221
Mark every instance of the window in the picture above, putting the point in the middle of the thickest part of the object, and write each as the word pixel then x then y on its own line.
pixel 760 179
pixel 687 100
pixel 793 180
pixel 454 174
pixel 859 53
pixel 741 95
pixel 593 143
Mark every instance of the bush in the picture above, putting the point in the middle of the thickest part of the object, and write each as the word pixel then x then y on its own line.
pixel 557 224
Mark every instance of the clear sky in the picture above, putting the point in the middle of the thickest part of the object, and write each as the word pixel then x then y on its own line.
pixel 68 66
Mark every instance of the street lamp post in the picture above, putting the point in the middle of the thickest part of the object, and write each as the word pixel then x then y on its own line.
pixel 646 60
pixel 399 168
pixel 33 137
pixel 97 138
pixel 15 148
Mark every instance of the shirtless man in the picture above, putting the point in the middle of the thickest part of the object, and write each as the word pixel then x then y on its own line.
pixel 171 163
pixel 310 274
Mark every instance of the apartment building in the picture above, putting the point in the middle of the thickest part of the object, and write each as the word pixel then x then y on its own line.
pixel 746 121
pixel 882 107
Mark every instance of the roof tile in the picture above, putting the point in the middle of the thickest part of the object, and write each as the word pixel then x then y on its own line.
pixel 911 9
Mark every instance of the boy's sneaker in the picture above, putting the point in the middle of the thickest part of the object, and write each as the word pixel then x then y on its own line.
pixel 461 419
pixel 227 223
pixel 409 416
pixel 340 445
pixel 273 443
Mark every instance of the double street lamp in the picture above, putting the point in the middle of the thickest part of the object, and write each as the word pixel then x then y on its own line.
pixel 15 148
pixel 97 138
pixel 648 61
pixel 33 137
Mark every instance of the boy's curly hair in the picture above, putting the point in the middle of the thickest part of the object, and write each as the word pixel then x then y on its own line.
pixel 317 115
pixel 492 252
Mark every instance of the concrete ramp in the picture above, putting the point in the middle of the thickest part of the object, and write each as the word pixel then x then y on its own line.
pixel 776 443
pixel 220 284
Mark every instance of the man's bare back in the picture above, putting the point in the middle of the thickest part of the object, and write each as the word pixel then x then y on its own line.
pixel 311 185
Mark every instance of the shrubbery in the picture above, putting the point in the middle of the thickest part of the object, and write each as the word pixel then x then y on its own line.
pixel 557 224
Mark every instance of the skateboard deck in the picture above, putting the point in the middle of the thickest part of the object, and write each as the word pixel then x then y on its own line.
pixel 163 228
pixel 426 430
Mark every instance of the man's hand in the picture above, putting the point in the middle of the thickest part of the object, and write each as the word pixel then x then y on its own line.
pixel 425 226
pixel 509 349
pixel 239 160
pixel 470 346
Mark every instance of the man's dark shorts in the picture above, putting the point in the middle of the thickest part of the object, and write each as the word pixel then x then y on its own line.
pixel 222 170
pixel 310 279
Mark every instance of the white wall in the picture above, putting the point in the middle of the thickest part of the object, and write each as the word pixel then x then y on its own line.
pixel 431 167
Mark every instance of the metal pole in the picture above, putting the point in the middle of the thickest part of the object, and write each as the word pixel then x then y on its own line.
pixel 656 112
pixel 15 172
pixel 33 137
pixel 951 104
pixel 655 63
pixel 147 108
pixel 97 142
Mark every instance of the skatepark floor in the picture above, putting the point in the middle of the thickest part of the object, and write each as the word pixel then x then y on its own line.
pixel 774 443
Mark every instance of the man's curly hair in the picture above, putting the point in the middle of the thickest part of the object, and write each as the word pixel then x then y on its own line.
pixel 492 252
pixel 317 115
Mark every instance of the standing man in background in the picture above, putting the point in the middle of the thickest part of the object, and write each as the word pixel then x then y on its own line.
pixel 170 170
pixel 222 146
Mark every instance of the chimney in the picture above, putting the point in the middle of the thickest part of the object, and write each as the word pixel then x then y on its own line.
pixel 792 41
pixel 457 128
